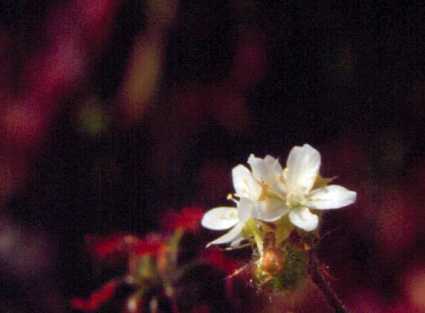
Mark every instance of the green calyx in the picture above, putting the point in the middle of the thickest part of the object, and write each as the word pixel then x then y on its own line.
pixel 289 276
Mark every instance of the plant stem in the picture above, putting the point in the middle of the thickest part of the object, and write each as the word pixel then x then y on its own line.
pixel 324 285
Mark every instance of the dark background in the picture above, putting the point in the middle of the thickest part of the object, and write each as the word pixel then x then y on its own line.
pixel 84 153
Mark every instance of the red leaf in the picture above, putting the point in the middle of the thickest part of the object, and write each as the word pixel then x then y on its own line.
pixel 113 245
pixel 149 245
pixel 96 299
pixel 187 219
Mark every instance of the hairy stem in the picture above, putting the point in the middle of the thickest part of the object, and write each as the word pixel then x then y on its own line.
pixel 324 285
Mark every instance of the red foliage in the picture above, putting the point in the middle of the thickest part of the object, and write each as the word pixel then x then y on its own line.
pixel 187 219
pixel 122 244
pixel 95 14
pixel 113 245
pixel 72 35
pixel 149 245
pixel 96 299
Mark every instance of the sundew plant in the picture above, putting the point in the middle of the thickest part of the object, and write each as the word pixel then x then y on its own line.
pixel 277 213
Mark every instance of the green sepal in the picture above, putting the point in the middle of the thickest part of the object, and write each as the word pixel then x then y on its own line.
pixel 283 229
pixel 321 182
pixel 253 231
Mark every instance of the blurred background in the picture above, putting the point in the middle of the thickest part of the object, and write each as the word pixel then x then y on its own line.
pixel 113 111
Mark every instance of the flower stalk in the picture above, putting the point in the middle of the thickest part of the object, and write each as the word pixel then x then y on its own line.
pixel 323 284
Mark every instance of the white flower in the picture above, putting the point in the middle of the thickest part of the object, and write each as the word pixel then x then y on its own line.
pixel 251 204
pixel 302 170
pixel 267 171
pixel 261 186
pixel 244 183
pixel 269 192
pixel 223 218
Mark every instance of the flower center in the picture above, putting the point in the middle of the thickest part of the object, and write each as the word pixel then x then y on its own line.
pixel 294 200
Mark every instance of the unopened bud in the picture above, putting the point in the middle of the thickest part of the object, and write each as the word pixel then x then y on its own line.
pixel 272 261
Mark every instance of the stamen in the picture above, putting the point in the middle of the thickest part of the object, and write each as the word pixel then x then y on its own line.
pixel 231 197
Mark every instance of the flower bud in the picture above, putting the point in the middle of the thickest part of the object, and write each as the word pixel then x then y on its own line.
pixel 281 269
pixel 272 261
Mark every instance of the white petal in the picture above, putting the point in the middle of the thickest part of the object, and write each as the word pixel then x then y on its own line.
pixel 264 169
pixel 267 170
pixel 228 237
pixel 304 219
pixel 236 243
pixel 245 209
pixel 270 210
pixel 302 169
pixel 244 183
pixel 220 218
pixel 331 197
